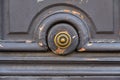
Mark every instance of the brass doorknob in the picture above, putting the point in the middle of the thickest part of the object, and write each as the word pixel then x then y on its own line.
pixel 62 39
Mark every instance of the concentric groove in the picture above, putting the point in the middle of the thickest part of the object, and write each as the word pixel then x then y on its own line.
pixel 66 40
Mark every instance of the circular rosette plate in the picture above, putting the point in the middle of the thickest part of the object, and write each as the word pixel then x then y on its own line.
pixel 62 39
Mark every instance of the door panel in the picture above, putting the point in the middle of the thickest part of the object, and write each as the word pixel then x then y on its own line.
pixel 82 34
pixel 22 13
pixel 96 22
pixel 101 13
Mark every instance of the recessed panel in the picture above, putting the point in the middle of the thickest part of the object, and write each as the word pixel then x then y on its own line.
pixel 96 21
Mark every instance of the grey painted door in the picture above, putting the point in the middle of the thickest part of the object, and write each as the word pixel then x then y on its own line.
pixel 83 34
pixel 22 22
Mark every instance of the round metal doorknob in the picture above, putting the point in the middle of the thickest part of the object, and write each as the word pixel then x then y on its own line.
pixel 62 39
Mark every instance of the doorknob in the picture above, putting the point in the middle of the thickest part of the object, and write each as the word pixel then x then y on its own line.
pixel 62 38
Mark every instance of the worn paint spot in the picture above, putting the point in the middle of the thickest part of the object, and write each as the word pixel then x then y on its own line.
pixel 113 41
pixel 28 41
pixel 104 41
pixel 67 11
pixel 74 37
pixel 41 44
pixel 89 44
pixel 91 59
pixel 59 51
pixel 39 1
pixel 83 1
pixel 1 45
pixel 81 16
pixel 82 50
pixel 41 28
pixel 75 12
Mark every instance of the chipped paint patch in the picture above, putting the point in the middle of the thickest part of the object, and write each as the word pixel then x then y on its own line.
pixel 91 59
pixel 67 11
pixel 59 51
pixel 1 45
pixel 72 12
pixel 28 41
pixel 113 41
pixel 81 16
pixel 82 50
pixel 75 12
pixel 38 1
pixel 83 1
pixel 89 44
pixel 41 44
pixel 41 28
pixel 74 37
